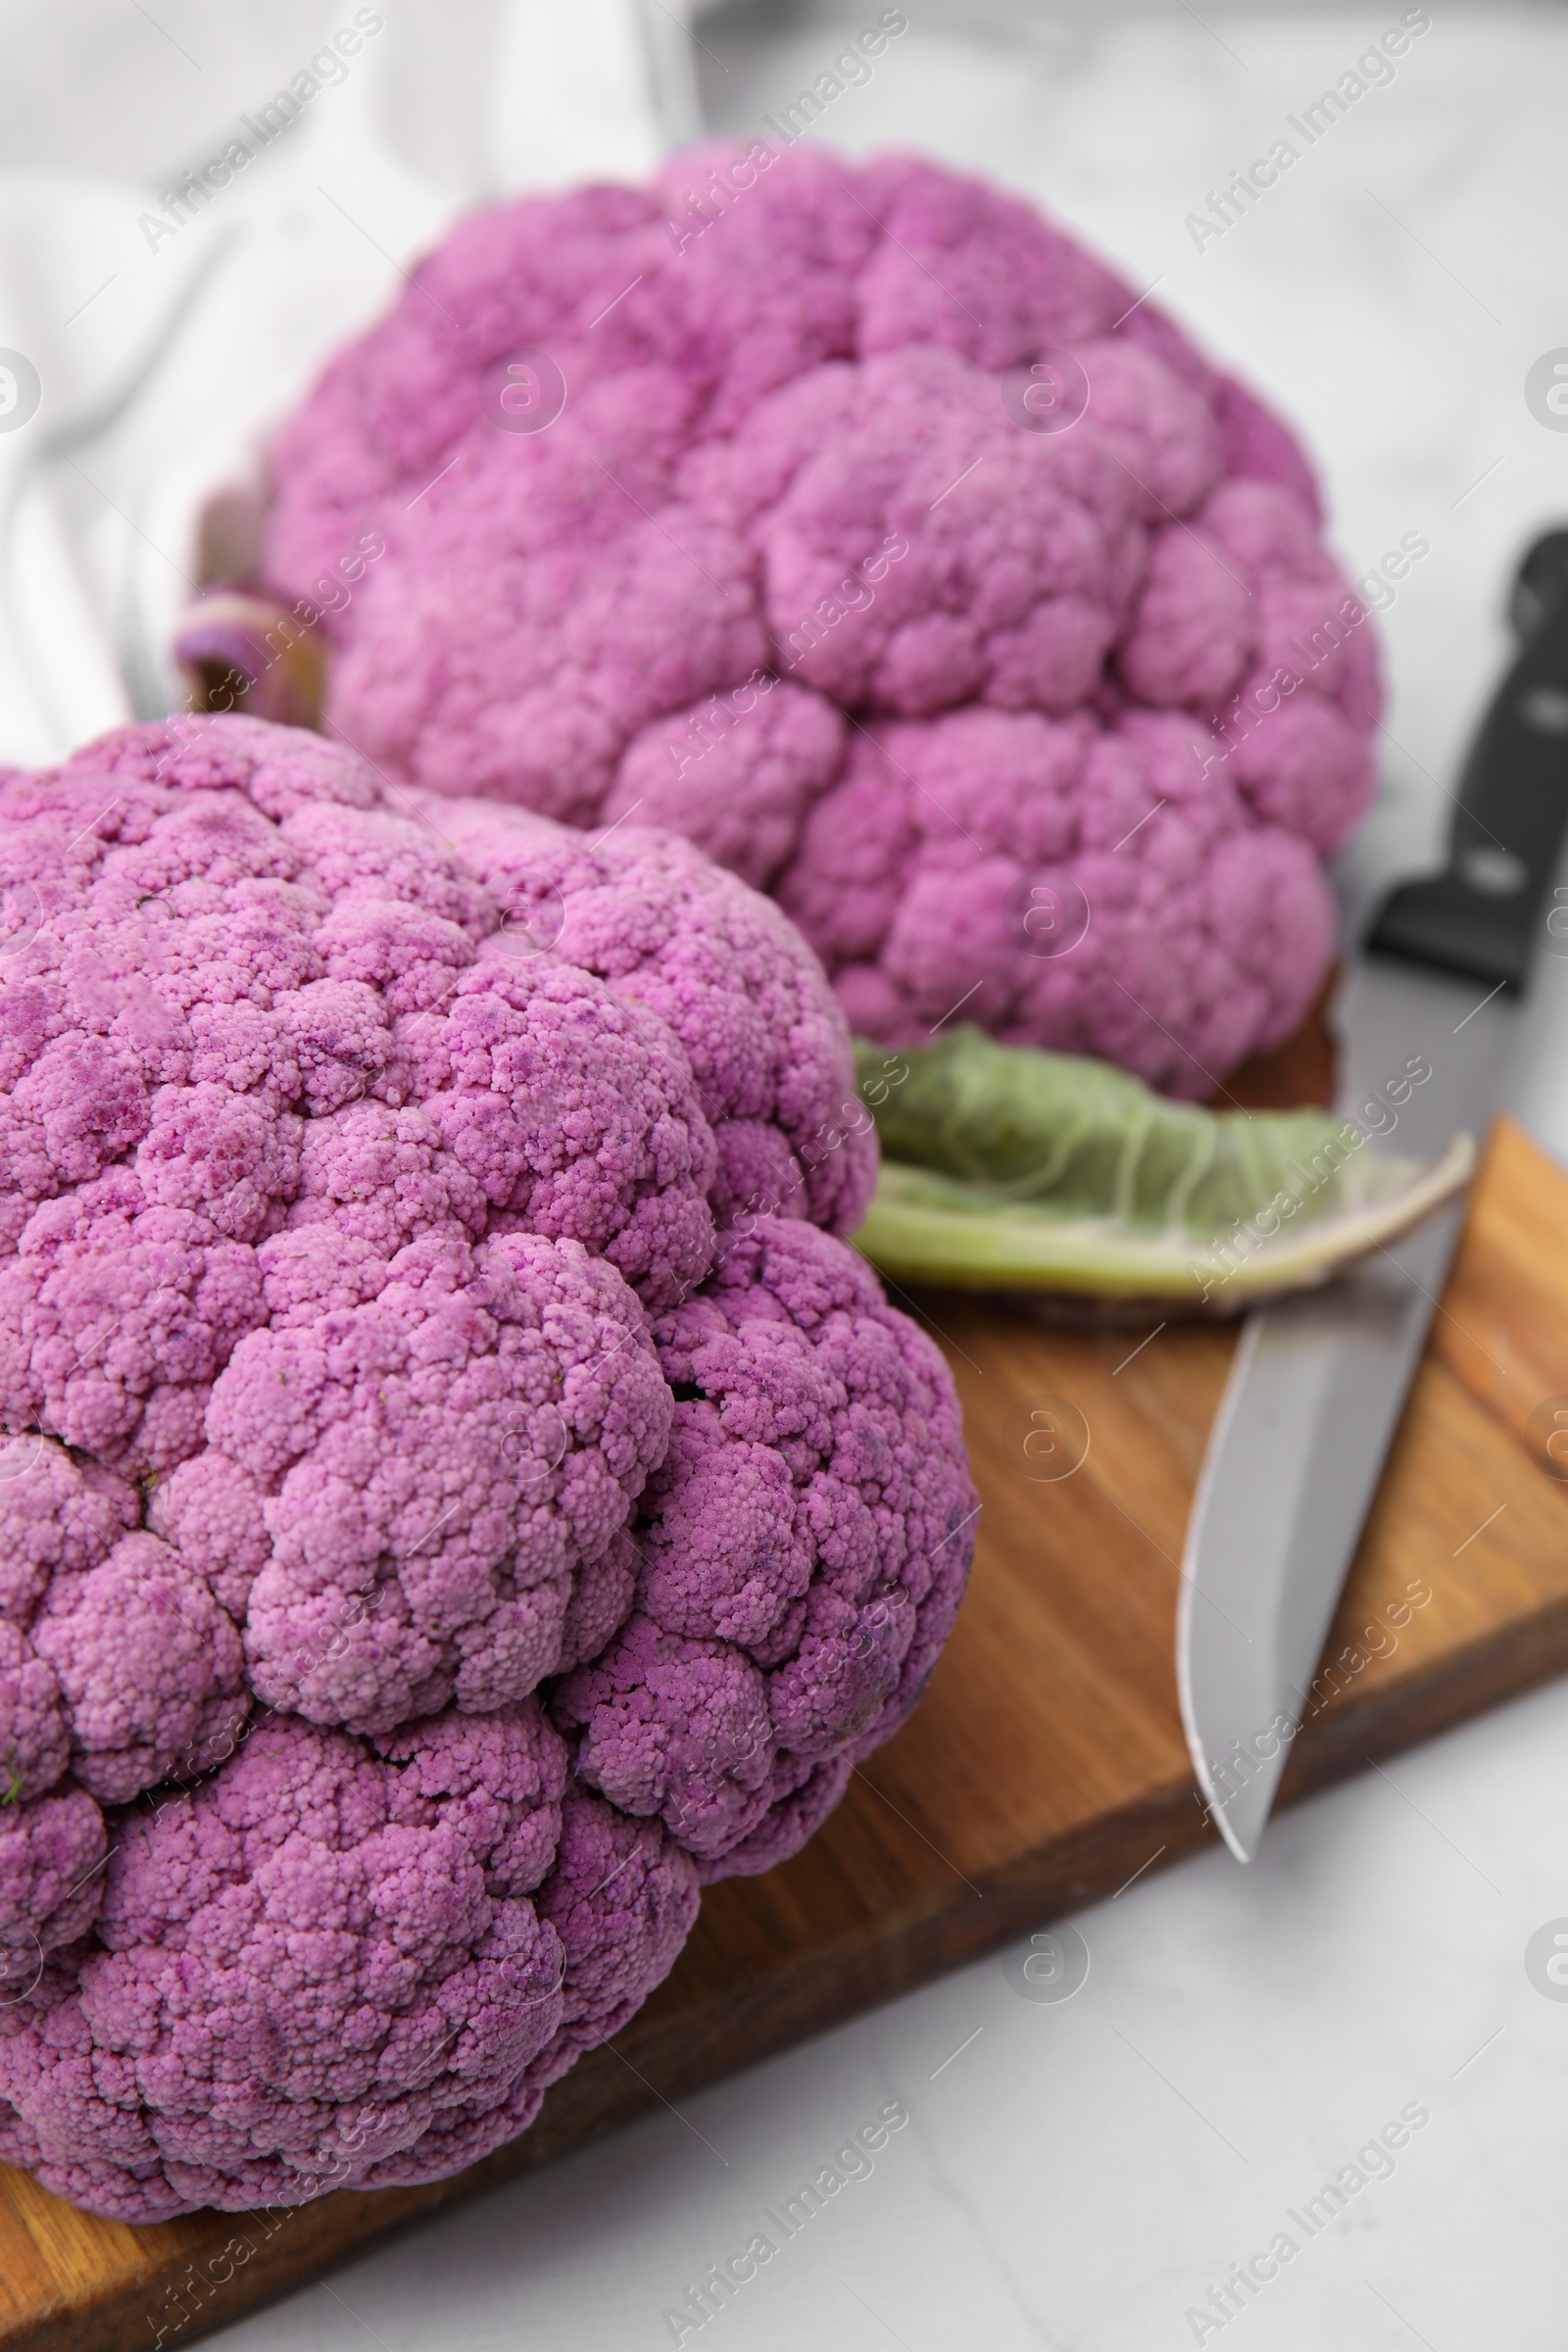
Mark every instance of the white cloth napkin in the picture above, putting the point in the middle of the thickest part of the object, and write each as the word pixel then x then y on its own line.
pixel 166 342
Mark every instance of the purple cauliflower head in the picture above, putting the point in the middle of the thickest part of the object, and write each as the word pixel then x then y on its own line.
pixel 851 520
pixel 458 1491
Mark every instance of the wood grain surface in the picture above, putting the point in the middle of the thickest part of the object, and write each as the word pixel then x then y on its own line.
pixel 1046 1764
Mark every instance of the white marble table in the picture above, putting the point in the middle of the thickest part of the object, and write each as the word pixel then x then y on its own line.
pixel 1080 2176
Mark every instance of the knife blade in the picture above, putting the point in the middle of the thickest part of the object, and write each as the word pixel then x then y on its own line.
pixel 1318 1383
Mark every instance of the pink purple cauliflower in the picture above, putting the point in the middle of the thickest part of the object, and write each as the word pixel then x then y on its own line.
pixel 740 502
pixel 460 1494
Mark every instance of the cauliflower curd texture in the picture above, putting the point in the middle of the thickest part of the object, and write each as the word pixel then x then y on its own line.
pixel 1056 722
pixel 461 1493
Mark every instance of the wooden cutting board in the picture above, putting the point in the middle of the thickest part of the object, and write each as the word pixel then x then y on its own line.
pixel 1046 1765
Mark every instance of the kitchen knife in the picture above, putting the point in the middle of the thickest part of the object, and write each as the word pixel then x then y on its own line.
pixel 1426 1017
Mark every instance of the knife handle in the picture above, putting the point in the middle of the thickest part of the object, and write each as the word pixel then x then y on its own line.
pixel 1478 916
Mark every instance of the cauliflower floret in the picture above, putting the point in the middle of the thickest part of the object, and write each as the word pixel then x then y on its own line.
pixel 805 1546
pixel 117 1666
pixel 438 1471
pixel 149 1669
pixel 652 919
